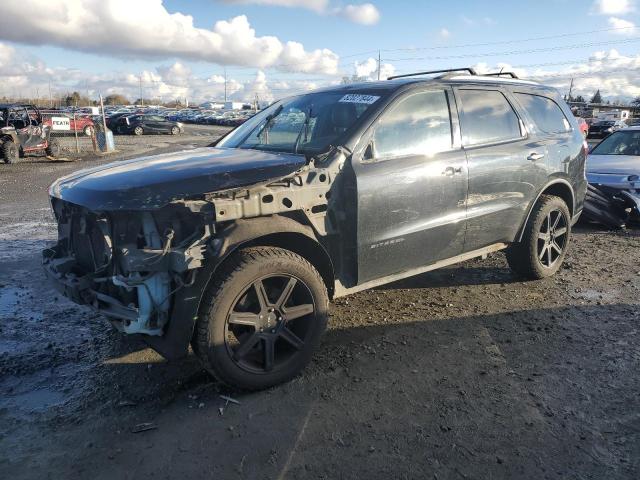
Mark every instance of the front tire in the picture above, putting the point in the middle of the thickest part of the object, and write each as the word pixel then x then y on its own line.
pixel 175 130
pixel 544 244
pixel 261 319
pixel 138 131
pixel 88 131
pixel 10 152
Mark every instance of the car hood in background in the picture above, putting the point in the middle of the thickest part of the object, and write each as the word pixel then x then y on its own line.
pixel 615 164
pixel 152 182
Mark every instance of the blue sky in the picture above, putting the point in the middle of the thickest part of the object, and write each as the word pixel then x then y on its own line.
pixel 411 35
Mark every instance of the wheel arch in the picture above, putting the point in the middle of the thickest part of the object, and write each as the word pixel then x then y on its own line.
pixel 558 187
pixel 282 232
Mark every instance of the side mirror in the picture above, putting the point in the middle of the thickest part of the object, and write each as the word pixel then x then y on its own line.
pixel 369 152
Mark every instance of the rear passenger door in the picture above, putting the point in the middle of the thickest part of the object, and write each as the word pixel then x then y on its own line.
pixel 411 177
pixel 503 165
pixel 551 127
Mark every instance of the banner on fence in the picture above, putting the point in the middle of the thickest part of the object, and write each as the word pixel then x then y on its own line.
pixel 61 123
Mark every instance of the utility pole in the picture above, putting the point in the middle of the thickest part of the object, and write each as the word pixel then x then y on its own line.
pixel 225 84
pixel 570 90
pixel 141 99
pixel 50 98
pixel 379 65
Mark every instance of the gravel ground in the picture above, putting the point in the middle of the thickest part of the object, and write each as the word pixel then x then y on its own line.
pixel 465 372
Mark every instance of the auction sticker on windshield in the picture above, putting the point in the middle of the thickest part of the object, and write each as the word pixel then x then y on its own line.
pixel 359 98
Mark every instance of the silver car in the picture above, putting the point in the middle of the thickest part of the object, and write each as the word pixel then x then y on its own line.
pixel 613 168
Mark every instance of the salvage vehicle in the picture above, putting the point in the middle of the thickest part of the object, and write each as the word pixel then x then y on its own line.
pixel 22 132
pixel 238 248
pixel 144 124
pixel 84 124
pixel 613 173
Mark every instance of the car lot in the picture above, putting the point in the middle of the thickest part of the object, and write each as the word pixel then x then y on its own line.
pixel 464 372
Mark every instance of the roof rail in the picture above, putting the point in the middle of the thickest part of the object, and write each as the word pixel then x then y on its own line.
pixel 499 74
pixel 447 70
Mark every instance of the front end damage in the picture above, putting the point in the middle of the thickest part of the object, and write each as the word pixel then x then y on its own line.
pixel 613 199
pixel 146 269
pixel 128 265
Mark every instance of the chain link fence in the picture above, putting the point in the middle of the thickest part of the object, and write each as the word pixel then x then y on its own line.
pixel 75 132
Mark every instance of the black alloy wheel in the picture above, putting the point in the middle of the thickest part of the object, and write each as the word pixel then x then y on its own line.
pixel 269 323
pixel 552 238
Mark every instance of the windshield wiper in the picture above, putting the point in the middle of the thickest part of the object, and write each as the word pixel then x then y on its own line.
pixel 267 124
pixel 305 129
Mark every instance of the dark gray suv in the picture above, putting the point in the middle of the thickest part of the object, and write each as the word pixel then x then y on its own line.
pixel 238 248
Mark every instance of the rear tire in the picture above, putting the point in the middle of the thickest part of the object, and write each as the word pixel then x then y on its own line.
pixel 138 131
pixel 10 152
pixel 175 130
pixel 544 243
pixel 53 149
pixel 88 130
pixel 253 341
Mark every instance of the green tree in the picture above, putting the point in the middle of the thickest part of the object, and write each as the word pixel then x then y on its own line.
pixel 116 99
pixel 580 99
pixel 597 97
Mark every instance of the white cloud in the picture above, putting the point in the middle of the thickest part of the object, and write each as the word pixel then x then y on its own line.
pixel 27 77
pixel 365 13
pixel 315 5
pixel 623 27
pixel 616 75
pixel 368 69
pixel 145 29
pixel 613 7
pixel 444 33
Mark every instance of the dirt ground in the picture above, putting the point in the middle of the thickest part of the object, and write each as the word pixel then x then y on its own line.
pixel 465 372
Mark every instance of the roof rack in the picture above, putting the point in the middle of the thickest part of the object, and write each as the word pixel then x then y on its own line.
pixel 499 74
pixel 448 70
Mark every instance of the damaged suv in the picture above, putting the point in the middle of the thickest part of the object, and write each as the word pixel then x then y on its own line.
pixel 237 249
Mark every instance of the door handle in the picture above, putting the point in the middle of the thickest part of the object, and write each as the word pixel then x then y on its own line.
pixel 535 156
pixel 450 171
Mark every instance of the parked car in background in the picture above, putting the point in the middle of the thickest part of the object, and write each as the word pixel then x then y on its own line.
pixel 22 132
pixel 237 249
pixel 603 128
pixel 613 172
pixel 146 124
pixel 584 126
pixel 632 122
pixel 81 123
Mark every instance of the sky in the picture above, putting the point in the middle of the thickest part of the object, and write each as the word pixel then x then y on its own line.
pixel 181 49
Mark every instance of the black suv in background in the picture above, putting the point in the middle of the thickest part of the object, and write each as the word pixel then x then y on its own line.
pixel 603 128
pixel 238 248
pixel 141 124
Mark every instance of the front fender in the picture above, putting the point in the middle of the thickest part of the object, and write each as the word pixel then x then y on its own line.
pixel 174 343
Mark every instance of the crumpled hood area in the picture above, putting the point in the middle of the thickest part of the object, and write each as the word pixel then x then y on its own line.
pixel 151 182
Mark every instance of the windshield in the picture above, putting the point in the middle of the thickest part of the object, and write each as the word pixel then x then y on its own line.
pixel 623 142
pixel 307 124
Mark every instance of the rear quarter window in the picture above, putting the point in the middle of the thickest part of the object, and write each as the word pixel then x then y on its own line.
pixel 546 114
pixel 487 117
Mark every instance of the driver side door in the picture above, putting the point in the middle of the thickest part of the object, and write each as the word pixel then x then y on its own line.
pixel 412 184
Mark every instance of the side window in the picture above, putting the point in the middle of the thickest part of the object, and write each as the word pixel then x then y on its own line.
pixel 546 113
pixel 487 118
pixel 417 125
